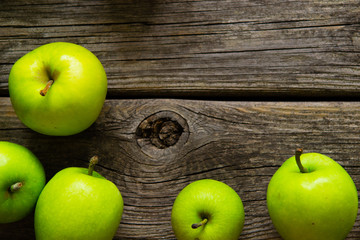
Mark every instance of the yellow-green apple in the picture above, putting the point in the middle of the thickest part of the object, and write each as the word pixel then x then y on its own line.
pixel 22 178
pixel 207 209
pixel 58 88
pixel 312 198
pixel 78 203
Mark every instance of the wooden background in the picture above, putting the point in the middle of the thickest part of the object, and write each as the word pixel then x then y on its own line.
pixel 247 81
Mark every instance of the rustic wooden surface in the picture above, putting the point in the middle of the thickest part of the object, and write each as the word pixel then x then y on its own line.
pixel 211 49
pixel 247 82
pixel 239 143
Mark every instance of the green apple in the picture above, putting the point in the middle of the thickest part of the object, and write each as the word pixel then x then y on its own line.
pixel 58 89
pixel 207 209
pixel 22 178
pixel 312 198
pixel 78 203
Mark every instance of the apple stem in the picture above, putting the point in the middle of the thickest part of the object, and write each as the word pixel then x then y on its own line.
pixel 46 88
pixel 298 153
pixel 16 187
pixel 93 161
pixel 202 223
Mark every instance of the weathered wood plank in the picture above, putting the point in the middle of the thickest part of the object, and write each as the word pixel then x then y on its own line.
pixel 202 49
pixel 239 143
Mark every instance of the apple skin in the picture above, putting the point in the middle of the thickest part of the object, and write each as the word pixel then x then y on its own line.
pixel 74 100
pixel 211 199
pixel 19 164
pixel 75 205
pixel 319 205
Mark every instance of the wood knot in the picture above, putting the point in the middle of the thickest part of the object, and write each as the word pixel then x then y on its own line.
pixel 160 131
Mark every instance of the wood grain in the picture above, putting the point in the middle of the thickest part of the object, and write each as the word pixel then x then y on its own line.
pixel 239 143
pixel 199 49
pixel 246 51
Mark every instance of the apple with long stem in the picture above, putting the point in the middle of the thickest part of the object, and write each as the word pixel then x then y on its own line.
pixel 207 209
pixel 22 178
pixel 312 197
pixel 78 203
pixel 58 88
